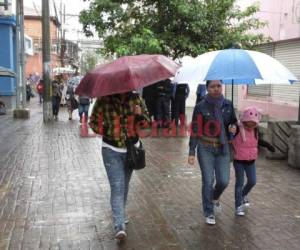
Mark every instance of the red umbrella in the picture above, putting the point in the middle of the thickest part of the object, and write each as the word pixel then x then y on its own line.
pixel 126 74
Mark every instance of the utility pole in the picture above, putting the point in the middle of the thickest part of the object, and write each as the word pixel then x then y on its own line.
pixel 18 63
pixel 21 84
pixel 22 59
pixel 62 39
pixel 47 104
pixel 20 111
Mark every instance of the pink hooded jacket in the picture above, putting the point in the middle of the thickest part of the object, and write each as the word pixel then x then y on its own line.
pixel 245 143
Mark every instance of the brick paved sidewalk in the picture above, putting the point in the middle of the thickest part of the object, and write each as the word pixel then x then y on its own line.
pixel 54 195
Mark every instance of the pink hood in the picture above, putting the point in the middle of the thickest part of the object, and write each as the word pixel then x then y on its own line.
pixel 250 114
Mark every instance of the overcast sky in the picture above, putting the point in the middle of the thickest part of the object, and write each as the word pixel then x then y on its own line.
pixel 73 27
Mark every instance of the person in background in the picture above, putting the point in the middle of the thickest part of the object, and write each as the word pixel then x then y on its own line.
pixel 71 102
pixel 149 95
pixel 212 145
pixel 40 90
pixel 163 101
pixel 2 108
pixel 181 92
pixel 56 98
pixel 83 107
pixel 245 151
pixel 201 92
pixel 29 93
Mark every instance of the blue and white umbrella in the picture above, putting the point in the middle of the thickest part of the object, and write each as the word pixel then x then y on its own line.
pixel 235 66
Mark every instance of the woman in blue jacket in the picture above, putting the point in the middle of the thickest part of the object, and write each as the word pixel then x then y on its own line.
pixel 213 123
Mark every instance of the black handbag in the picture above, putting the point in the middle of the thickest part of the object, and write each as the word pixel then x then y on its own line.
pixel 135 157
pixel 74 103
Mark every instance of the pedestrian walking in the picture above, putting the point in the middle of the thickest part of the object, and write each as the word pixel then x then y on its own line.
pixel 181 92
pixel 2 108
pixel 163 92
pixel 83 107
pixel 40 90
pixel 71 101
pixel 114 112
pixel 149 95
pixel 213 121
pixel 56 98
pixel 245 152
pixel 29 93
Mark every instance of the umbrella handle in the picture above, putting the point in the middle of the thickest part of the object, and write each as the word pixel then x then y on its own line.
pixel 231 135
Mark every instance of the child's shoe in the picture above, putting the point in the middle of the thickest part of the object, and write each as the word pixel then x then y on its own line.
pixel 246 202
pixel 210 220
pixel 240 211
pixel 217 206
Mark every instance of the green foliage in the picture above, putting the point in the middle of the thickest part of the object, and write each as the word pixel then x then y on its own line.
pixel 88 61
pixel 171 27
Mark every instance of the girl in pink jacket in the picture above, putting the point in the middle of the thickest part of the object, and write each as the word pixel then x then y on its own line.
pixel 245 152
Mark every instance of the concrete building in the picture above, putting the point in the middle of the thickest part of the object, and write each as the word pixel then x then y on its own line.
pixel 33 29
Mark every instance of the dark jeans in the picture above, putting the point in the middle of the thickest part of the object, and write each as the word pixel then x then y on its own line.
pixel 150 104
pixel 240 189
pixel 55 104
pixel 163 110
pixel 214 164
pixel 179 109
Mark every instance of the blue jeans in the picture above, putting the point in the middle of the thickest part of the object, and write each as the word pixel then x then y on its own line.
pixel 214 164
pixel 240 189
pixel 119 177
pixel 83 109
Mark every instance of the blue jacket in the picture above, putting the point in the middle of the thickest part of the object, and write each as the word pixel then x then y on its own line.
pixel 206 110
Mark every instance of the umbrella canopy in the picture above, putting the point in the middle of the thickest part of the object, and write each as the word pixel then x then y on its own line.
pixel 6 72
pixel 74 81
pixel 235 66
pixel 126 74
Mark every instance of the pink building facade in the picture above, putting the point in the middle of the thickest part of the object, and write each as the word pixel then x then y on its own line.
pixel 279 102
pixel 282 16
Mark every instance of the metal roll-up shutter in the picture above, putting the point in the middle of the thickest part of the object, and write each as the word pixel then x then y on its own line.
pixel 266 48
pixel 288 53
pixel 262 90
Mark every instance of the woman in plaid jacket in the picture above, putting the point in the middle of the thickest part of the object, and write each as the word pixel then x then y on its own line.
pixel 112 117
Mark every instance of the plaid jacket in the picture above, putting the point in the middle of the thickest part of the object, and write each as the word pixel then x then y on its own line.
pixel 114 119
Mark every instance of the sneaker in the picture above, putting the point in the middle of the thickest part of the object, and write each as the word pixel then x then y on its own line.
pixel 126 221
pixel 246 202
pixel 240 211
pixel 210 220
pixel 120 233
pixel 217 206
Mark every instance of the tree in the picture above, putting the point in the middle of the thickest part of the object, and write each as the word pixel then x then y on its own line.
pixel 88 61
pixel 170 27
